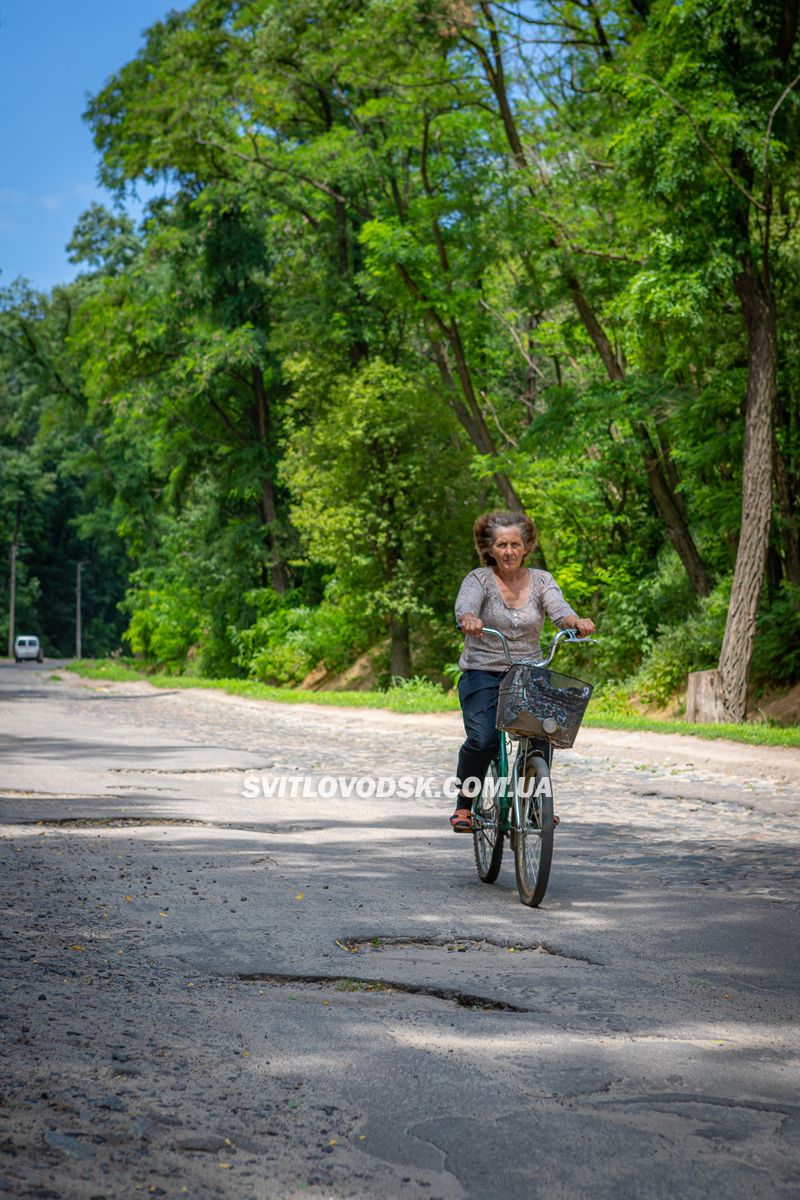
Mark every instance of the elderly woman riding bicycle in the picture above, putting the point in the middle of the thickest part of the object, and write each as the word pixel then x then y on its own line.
pixel 513 598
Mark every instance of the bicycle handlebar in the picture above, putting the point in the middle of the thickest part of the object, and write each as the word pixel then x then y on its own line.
pixel 569 635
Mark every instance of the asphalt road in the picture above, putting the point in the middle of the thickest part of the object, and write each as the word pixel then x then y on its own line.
pixel 205 994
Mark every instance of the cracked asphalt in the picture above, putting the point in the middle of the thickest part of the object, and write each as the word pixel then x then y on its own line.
pixel 206 994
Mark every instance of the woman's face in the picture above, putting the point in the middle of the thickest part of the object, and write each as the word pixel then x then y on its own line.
pixel 508 548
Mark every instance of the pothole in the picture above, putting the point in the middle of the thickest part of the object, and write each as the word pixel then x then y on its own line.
pixel 114 822
pixel 185 770
pixel 342 983
pixel 142 787
pixel 459 946
pixel 27 794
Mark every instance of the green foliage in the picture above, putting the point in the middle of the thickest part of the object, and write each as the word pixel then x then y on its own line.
pixel 379 295
pixel 691 645
pixel 45 482
pixel 164 625
pixel 777 657
pixel 376 504
pixel 288 639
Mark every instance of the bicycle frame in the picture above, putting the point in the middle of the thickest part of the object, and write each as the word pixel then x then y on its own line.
pixel 510 797
pixel 517 801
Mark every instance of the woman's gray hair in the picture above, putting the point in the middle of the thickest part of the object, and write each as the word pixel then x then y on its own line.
pixel 487 525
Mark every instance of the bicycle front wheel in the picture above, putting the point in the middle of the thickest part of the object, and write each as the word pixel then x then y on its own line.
pixel 487 835
pixel 533 836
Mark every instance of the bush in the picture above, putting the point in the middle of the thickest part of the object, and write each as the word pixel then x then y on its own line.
pixel 288 639
pixel 692 645
pixel 633 611
pixel 164 624
pixel 776 658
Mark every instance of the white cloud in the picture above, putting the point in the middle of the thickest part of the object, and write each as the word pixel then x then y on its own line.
pixel 51 202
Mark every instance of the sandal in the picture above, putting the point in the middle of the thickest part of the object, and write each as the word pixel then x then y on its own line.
pixel 461 821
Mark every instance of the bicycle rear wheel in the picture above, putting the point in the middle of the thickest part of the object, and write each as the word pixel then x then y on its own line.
pixel 487 834
pixel 533 837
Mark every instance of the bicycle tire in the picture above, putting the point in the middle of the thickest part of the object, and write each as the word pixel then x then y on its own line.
pixel 533 849
pixel 488 843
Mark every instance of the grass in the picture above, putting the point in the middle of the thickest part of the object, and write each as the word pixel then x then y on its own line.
pixel 360 985
pixel 424 698
pixel 406 699
pixel 755 735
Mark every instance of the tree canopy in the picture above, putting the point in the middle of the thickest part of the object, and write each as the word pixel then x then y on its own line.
pixel 411 260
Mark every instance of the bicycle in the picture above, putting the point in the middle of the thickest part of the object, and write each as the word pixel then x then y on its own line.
pixel 533 703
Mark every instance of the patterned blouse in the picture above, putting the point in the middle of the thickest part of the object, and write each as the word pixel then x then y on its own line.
pixel 479 594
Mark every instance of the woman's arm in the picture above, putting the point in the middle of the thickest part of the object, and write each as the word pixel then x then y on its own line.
pixel 469 603
pixel 471 624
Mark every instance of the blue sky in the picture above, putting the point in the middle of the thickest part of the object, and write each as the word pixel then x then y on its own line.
pixel 53 53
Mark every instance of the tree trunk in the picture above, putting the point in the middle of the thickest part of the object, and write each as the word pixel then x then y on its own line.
pixel 475 426
pixel 400 649
pixel 704 703
pixel 12 587
pixel 662 490
pixel 267 506
pixel 758 309
pixel 665 499
pixel 443 333
pixel 788 31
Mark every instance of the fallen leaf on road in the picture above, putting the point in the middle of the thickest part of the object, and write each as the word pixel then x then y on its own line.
pixel 77 947
pixel 225 1166
pixel 129 897
pixel 349 949
pixel 300 896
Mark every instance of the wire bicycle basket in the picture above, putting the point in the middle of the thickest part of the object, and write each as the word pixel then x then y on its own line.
pixel 538 702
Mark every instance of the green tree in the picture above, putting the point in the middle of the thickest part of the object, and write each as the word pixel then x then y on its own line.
pixel 713 134
pixel 379 497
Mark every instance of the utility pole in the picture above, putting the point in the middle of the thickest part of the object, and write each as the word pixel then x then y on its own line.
pixel 78 613
pixel 12 588
pixel 12 595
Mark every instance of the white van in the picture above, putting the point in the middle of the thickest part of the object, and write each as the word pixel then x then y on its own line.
pixel 27 646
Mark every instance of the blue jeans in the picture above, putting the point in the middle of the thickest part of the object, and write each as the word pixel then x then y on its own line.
pixel 477 691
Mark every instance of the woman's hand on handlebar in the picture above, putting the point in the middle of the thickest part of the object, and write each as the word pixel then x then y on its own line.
pixel 582 625
pixel 471 624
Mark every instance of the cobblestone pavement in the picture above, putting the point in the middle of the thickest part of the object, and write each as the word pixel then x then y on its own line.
pixel 210 995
